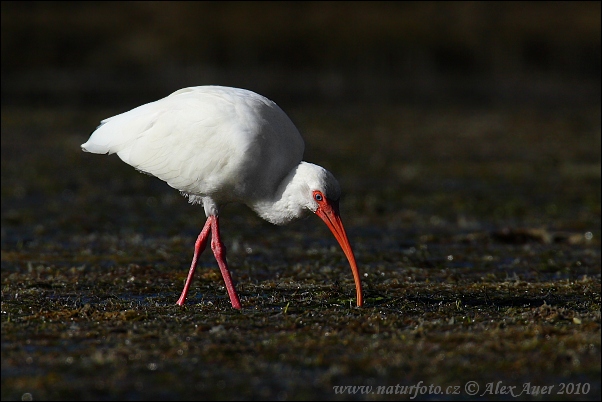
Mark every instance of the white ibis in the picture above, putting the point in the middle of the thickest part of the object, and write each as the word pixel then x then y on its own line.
pixel 219 145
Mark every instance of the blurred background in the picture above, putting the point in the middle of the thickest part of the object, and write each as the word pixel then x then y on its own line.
pixel 391 96
pixel 466 137
pixel 379 52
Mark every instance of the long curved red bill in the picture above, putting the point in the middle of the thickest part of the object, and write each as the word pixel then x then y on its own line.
pixel 329 213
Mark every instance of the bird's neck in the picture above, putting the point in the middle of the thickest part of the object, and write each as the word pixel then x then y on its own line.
pixel 284 205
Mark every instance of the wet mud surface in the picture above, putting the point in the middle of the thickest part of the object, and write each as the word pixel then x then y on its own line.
pixel 476 230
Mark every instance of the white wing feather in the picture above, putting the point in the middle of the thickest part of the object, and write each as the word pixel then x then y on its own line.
pixel 230 144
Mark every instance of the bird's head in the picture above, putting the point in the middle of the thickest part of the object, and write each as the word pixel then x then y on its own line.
pixel 310 188
pixel 321 192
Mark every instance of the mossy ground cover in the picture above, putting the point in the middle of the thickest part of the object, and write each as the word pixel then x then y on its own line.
pixel 477 232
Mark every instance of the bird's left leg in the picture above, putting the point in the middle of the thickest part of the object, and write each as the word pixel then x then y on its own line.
pixel 219 250
pixel 199 246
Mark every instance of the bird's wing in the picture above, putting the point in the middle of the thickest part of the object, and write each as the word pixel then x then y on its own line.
pixel 205 141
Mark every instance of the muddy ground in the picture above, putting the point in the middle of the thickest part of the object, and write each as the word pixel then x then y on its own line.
pixel 477 233
pixel 473 207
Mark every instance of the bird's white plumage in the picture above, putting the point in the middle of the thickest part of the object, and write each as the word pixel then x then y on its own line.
pixel 212 143
pixel 217 145
pixel 294 197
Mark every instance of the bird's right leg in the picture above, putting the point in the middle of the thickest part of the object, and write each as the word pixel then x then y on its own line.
pixel 199 246
pixel 219 251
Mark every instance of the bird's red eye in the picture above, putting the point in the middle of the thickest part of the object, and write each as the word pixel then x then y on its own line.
pixel 318 196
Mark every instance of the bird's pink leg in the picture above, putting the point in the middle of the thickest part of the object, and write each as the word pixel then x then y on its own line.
pixel 199 246
pixel 219 250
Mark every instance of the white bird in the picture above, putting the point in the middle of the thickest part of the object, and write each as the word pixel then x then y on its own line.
pixel 219 145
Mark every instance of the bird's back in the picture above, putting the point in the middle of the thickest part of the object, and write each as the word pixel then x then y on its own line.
pixel 227 143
